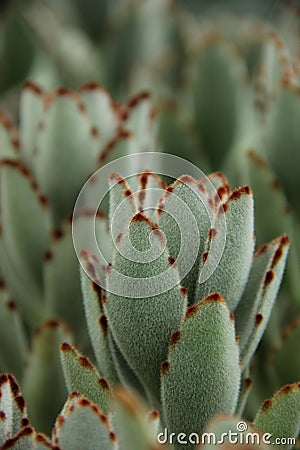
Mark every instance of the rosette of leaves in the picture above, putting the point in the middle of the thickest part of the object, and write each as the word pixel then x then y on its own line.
pixel 187 350
pixel 63 138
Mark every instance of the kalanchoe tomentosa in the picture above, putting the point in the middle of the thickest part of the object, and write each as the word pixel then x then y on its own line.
pixel 190 345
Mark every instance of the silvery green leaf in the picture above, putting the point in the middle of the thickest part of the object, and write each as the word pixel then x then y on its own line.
pixel 43 373
pixel 121 204
pixel 62 293
pixel 201 377
pixel 59 154
pixel 81 375
pixel 98 328
pixel 12 406
pixel 280 415
pixel 285 359
pixel 103 113
pixel 125 373
pixel 12 333
pixel 253 311
pixel 181 209
pixel 129 422
pixel 20 202
pixel 231 273
pixel 82 425
pixel 24 440
pixel 281 132
pixel 9 141
pixel 139 120
pixel 142 326
pixel 32 100
pixel 270 201
pixel 215 98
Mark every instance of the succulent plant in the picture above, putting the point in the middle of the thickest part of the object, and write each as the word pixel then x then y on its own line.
pixel 203 333
pixel 64 136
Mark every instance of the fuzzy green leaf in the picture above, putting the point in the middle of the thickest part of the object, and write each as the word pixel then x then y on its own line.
pixel 82 425
pixel 8 137
pixel 231 274
pixel 56 143
pixel 12 406
pixel 281 133
pixel 125 373
pixel 142 326
pixel 185 221
pixel 43 374
pixel 129 422
pixel 61 282
pixel 98 328
pixel 280 415
pixel 31 100
pixel 254 309
pixel 286 359
pixel 216 99
pixel 201 376
pixel 20 203
pixel 12 336
pixel 24 440
pixel 102 112
pixel 81 375
pixel 271 202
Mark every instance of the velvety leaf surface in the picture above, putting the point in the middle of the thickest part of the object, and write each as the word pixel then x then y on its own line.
pixel 231 274
pixel 280 415
pixel 142 326
pixel 201 376
pixel 82 425
pixel 81 375
pixel 43 373
pixel 98 328
pixel 12 337
pixel 254 309
pixel 56 144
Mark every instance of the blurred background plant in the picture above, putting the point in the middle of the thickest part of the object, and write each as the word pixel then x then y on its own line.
pixel 224 81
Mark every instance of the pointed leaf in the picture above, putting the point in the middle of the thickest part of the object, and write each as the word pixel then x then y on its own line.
pixel 254 309
pixel 82 425
pixel 103 113
pixel 12 407
pixel 81 375
pixel 22 441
